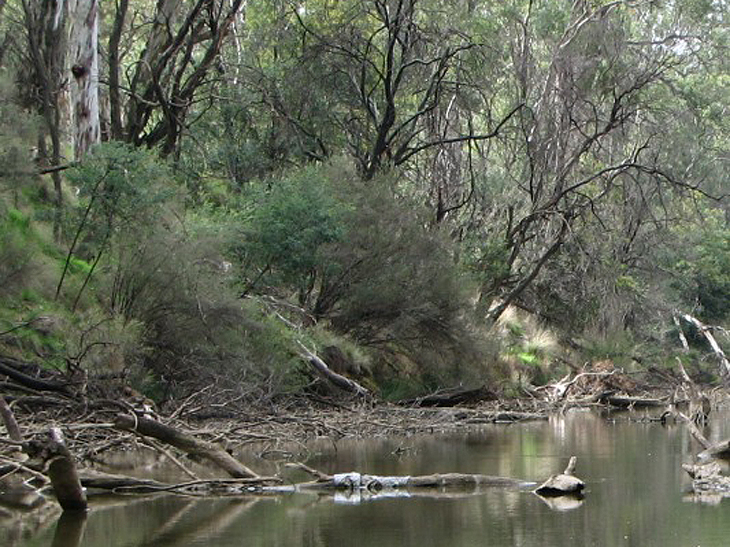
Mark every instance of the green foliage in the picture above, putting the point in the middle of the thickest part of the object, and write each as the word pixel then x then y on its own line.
pixel 295 219
pixel 365 260
pixel 702 268
pixel 120 188
pixel 624 113
pixel 192 327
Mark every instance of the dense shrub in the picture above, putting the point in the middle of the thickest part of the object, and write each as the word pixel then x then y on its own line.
pixel 368 263
pixel 194 329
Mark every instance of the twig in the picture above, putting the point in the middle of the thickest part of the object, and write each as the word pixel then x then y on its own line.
pixel 36 474
pixel 168 455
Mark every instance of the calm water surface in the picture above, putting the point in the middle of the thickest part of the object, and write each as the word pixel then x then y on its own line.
pixel 636 495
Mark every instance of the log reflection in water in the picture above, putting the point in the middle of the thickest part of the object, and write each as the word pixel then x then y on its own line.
pixel 69 529
pixel 183 531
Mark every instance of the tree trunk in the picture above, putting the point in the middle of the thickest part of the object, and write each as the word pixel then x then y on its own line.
pixel 562 484
pixel 331 376
pixel 11 425
pixel 84 61
pixel 115 101
pixel 45 31
pixel 706 331
pixel 61 470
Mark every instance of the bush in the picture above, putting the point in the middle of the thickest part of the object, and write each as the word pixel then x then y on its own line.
pixel 293 222
pixel 367 262
pixel 193 329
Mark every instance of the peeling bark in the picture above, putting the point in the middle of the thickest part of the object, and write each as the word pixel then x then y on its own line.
pixel 84 62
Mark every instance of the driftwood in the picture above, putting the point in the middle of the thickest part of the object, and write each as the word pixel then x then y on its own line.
pixel 11 424
pixel 452 397
pixel 9 367
pixel 93 479
pixel 376 483
pixel 717 451
pixel 707 477
pixel 96 480
pixel 562 484
pixel 559 390
pixel 185 442
pixel 331 376
pixel 632 402
pixel 469 416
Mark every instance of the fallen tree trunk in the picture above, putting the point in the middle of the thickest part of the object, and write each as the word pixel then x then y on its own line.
pixel 559 390
pixel 90 478
pixel 717 451
pixel 707 477
pixel 706 331
pixel 452 397
pixel 11 424
pixel 331 376
pixel 376 483
pixel 632 402
pixel 497 417
pixel 185 442
pixel 9 367
pixel 132 485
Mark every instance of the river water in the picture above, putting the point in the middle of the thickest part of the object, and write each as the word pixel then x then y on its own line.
pixel 636 495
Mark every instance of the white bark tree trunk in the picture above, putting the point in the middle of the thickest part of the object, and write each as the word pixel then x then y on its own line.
pixel 707 333
pixel 84 61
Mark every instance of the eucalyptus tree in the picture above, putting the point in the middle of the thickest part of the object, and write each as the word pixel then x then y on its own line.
pixel 84 62
pixel 375 70
pixel 41 66
pixel 162 64
pixel 598 86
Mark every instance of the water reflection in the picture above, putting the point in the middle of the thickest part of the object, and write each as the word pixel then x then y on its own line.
pixel 69 529
pixel 636 495
pixel 563 503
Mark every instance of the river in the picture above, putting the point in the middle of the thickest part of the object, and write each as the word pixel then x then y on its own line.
pixel 636 495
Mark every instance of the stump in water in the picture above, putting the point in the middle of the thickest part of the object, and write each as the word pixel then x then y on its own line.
pixel 58 460
pixel 562 484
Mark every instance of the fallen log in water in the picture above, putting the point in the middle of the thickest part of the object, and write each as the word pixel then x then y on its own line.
pixel 717 451
pixel 185 442
pixel 122 484
pixel 375 483
pixel 707 477
pixel 633 402
pixel 557 485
